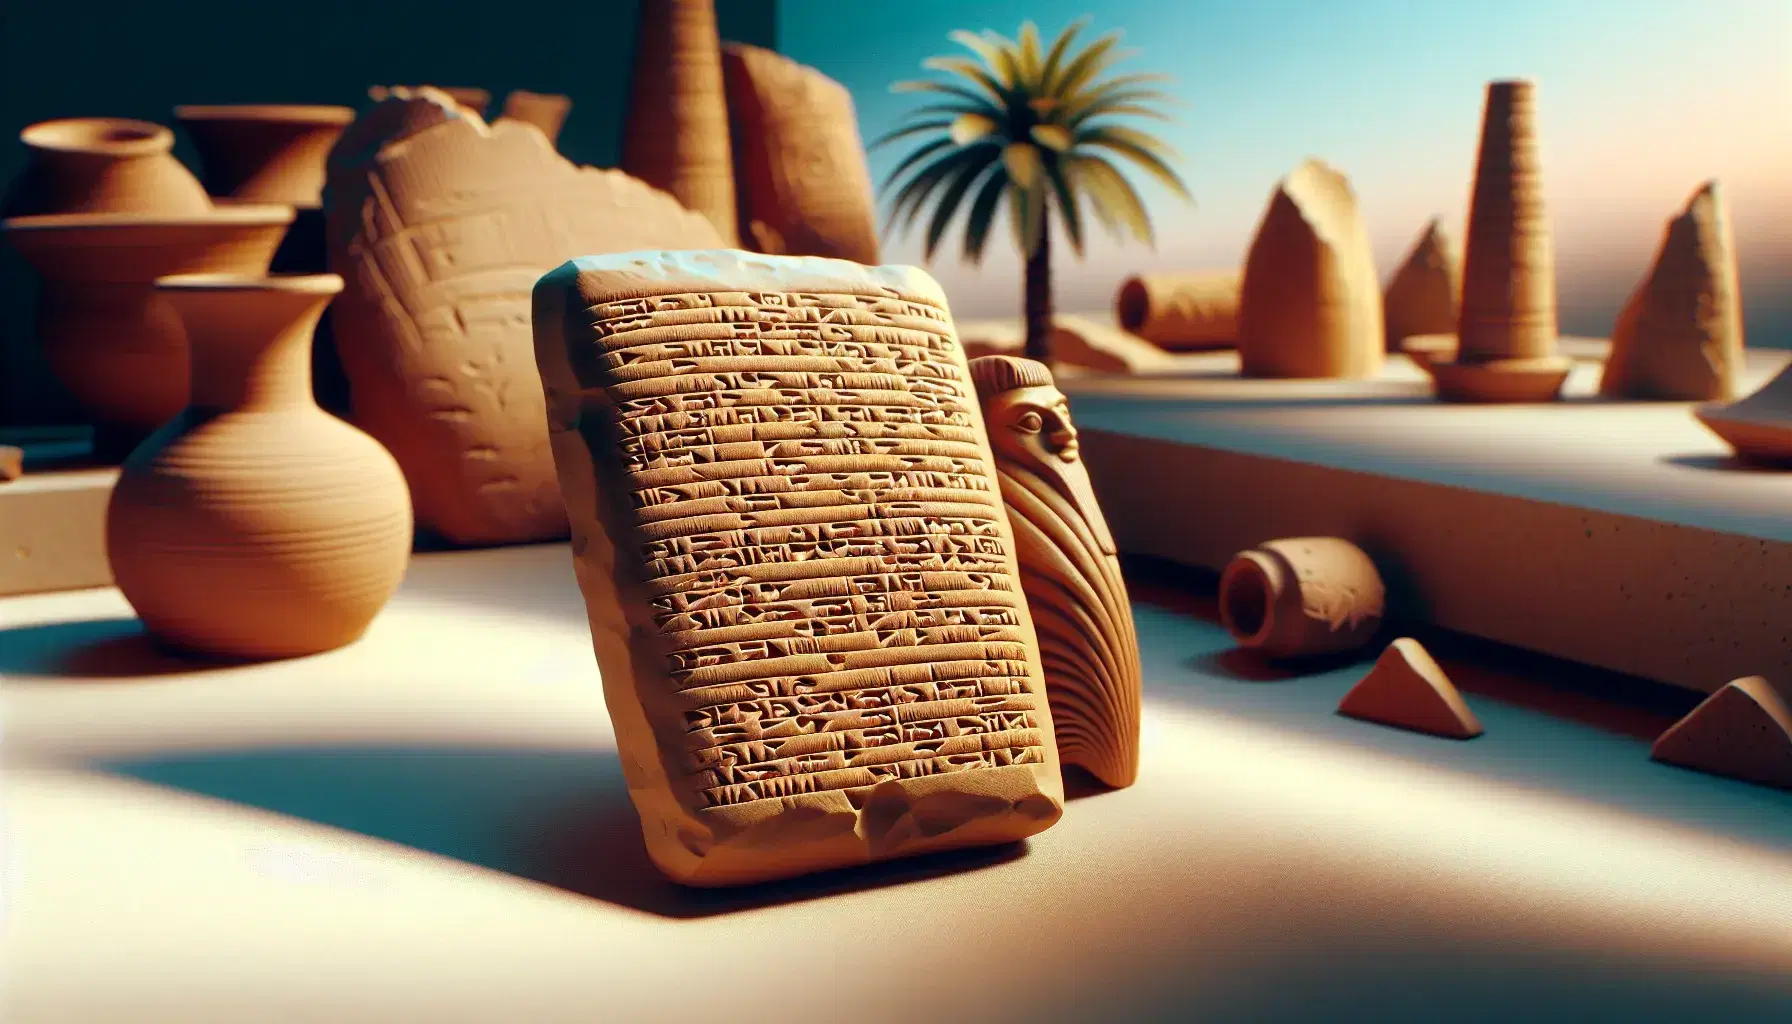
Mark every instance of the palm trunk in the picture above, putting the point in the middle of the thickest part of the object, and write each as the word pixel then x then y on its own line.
pixel 1039 297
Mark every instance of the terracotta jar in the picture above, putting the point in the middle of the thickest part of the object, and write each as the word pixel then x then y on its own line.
pixel 103 165
pixel 264 153
pixel 1302 596
pixel 254 524
pixel 105 331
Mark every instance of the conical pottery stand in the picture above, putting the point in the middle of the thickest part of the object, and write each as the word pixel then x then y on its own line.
pixel 117 345
pixel 1506 331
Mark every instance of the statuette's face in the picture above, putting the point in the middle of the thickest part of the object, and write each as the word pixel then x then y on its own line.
pixel 1037 420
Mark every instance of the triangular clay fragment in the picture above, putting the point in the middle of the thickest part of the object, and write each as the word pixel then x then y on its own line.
pixel 1743 731
pixel 1423 295
pixel 1406 689
pixel 1679 338
pixel 675 133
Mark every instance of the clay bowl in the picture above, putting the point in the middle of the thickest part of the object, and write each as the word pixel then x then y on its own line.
pixel 95 165
pixel 118 346
pixel 1500 381
pixel 265 153
pixel 1759 426
pixel 1424 349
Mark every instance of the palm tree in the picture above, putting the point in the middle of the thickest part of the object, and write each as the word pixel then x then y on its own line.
pixel 1036 126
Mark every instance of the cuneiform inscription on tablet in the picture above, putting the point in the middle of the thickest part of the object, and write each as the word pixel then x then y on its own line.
pixel 819 537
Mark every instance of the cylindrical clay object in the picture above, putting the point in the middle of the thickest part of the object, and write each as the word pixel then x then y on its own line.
pixel 1181 311
pixel 1302 596
pixel 675 134
pixel 1508 274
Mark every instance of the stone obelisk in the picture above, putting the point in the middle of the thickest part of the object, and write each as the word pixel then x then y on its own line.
pixel 1506 330
pixel 676 134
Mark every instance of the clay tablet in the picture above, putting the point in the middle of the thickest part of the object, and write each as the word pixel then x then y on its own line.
pixel 801 582
pixel 440 225
pixel 800 170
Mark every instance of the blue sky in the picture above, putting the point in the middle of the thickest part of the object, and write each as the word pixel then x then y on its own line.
pixel 1640 101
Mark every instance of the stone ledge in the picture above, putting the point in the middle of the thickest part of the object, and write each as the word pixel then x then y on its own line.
pixel 1613 534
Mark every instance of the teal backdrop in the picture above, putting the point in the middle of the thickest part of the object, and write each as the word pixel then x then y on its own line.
pixel 122 58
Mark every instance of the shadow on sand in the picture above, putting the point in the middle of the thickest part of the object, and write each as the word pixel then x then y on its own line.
pixel 559 818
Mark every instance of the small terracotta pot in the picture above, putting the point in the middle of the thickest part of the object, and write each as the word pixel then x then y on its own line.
pixel 254 524
pixel 106 333
pixel 103 165
pixel 546 111
pixel 264 153
pixel 1302 596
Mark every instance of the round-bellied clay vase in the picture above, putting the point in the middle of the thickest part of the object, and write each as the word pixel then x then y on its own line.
pixel 102 165
pixel 254 524
pixel 264 153
pixel 106 332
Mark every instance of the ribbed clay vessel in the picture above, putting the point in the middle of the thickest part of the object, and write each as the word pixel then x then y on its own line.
pixel 675 135
pixel 254 524
pixel 1506 321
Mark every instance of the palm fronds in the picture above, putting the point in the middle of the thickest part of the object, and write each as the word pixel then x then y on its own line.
pixel 1038 125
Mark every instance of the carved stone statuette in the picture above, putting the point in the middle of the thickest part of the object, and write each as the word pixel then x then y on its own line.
pixel 1069 568
pixel 802 585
